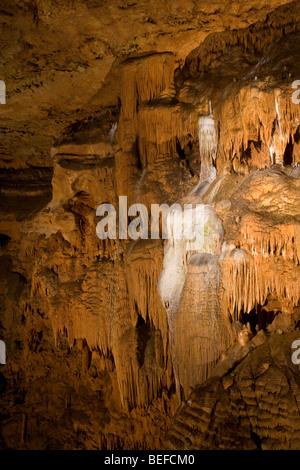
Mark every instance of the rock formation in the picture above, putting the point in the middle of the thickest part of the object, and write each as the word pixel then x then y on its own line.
pixel 184 342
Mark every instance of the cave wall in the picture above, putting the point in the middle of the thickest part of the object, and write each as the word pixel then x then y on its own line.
pixel 190 104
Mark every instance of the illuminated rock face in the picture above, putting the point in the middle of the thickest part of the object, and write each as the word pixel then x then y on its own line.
pixel 104 338
pixel 208 292
pixel 189 288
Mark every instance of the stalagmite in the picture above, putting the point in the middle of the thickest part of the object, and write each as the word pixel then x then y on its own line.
pixel 199 331
pixel 198 231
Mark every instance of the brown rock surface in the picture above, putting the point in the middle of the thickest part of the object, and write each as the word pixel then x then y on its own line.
pixel 253 406
pixel 168 102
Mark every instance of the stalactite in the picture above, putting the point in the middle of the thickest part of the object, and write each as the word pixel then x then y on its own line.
pixel 249 280
pixel 140 381
pixel 208 146
pixel 143 266
pixel 141 83
pixel 160 127
pixel 258 125
pixel 262 34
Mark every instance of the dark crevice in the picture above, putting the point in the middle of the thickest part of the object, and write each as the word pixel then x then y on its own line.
pixel 138 155
pixel 143 334
pixel 256 439
pixel 4 239
pixel 297 135
pixel 288 153
pixel 259 318
pixel 179 150
pixel 246 152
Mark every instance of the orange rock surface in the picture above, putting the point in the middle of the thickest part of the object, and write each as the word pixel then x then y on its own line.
pixel 150 343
